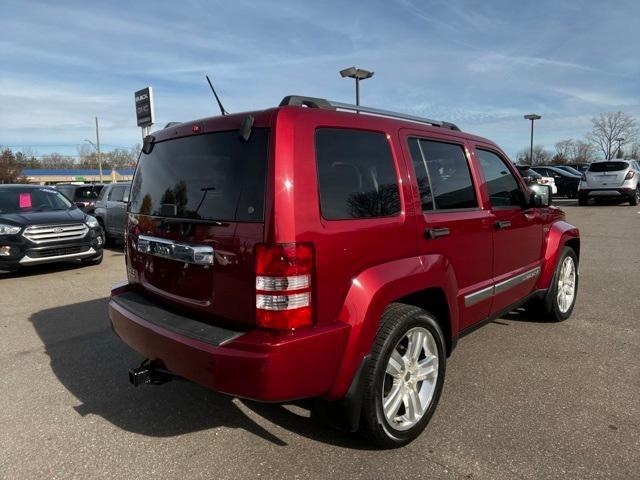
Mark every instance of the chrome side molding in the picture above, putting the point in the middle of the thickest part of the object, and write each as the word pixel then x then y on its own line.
pixel 181 252
pixel 480 295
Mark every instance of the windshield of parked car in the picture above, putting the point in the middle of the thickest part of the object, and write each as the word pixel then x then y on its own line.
pixel 28 200
pixel 216 176
pixel 608 166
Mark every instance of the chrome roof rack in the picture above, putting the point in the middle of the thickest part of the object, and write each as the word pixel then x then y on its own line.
pixel 313 102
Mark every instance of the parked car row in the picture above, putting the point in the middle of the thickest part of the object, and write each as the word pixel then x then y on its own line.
pixel 107 203
pixel 613 179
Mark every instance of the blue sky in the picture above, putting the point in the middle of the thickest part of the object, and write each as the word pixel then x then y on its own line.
pixel 481 64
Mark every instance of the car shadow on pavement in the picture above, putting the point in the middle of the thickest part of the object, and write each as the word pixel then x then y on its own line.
pixel 42 269
pixel 92 363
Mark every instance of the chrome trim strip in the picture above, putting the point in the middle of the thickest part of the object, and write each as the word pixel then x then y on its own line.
pixel 180 252
pixel 518 279
pixel 26 260
pixel 480 295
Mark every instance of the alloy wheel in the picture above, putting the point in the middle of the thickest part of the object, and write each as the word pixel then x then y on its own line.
pixel 566 285
pixel 410 379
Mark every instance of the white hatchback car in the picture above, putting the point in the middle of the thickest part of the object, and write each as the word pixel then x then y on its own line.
pixel 611 179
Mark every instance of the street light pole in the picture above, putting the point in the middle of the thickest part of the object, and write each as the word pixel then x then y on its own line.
pixel 357 74
pixel 619 140
pixel 533 117
pixel 98 149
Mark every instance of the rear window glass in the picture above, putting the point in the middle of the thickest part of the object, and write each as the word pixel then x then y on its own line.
pixel 89 192
pixel 356 175
pixel 608 166
pixel 215 176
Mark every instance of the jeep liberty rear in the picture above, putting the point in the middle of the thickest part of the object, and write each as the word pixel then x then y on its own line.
pixel 333 255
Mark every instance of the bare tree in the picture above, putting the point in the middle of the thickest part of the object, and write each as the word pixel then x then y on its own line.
pixel 611 130
pixel 583 152
pixel 564 148
pixel 540 156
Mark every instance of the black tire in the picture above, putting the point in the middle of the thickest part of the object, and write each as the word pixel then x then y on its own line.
pixel 94 260
pixel 396 321
pixel 634 199
pixel 551 308
pixel 583 200
pixel 108 241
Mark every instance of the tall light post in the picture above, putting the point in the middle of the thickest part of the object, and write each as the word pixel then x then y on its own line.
pixel 533 117
pixel 357 74
pixel 97 147
pixel 619 140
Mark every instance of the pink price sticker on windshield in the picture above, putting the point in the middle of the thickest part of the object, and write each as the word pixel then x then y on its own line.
pixel 25 200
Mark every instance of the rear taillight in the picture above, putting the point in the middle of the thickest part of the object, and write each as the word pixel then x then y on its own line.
pixel 629 175
pixel 583 177
pixel 284 274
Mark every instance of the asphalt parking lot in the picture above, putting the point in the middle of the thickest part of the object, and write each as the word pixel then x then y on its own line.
pixel 522 398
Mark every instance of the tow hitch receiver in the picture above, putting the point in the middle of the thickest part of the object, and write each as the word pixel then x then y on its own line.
pixel 149 373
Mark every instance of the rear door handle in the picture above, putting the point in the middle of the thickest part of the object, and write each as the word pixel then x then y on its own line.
pixel 431 233
pixel 502 224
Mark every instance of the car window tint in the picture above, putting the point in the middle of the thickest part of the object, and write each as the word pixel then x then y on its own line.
pixel 608 166
pixel 449 175
pixel 116 194
pixel 422 176
pixel 503 187
pixel 356 174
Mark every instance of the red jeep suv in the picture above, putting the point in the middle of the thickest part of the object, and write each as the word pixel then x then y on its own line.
pixel 327 251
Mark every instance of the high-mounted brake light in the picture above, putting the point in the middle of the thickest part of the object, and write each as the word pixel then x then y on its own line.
pixel 283 285
pixel 629 175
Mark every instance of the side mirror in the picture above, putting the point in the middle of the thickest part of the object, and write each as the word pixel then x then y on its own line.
pixel 540 195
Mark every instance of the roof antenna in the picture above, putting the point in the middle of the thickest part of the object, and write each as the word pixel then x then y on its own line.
pixel 222 110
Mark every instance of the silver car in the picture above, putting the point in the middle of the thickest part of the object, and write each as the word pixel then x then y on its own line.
pixel 615 179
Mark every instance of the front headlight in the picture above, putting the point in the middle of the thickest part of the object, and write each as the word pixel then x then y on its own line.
pixel 91 222
pixel 9 229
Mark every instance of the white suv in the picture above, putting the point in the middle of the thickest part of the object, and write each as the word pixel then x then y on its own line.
pixel 611 179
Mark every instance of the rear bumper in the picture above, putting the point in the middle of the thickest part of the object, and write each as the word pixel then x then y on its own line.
pixel 606 192
pixel 258 364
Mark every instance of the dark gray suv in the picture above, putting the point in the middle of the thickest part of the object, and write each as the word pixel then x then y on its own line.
pixel 111 211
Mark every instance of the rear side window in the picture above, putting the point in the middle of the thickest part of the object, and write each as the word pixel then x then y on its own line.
pixel 356 174
pixel 608 166
pixel 443 175
pixel 214 176
pixel 503 187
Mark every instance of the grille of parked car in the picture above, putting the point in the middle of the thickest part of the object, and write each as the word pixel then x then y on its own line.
pixel 58 251
pixel 53 233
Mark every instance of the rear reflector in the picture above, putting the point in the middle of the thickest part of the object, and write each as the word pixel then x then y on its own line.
pixel 283 285
pixel 282 302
